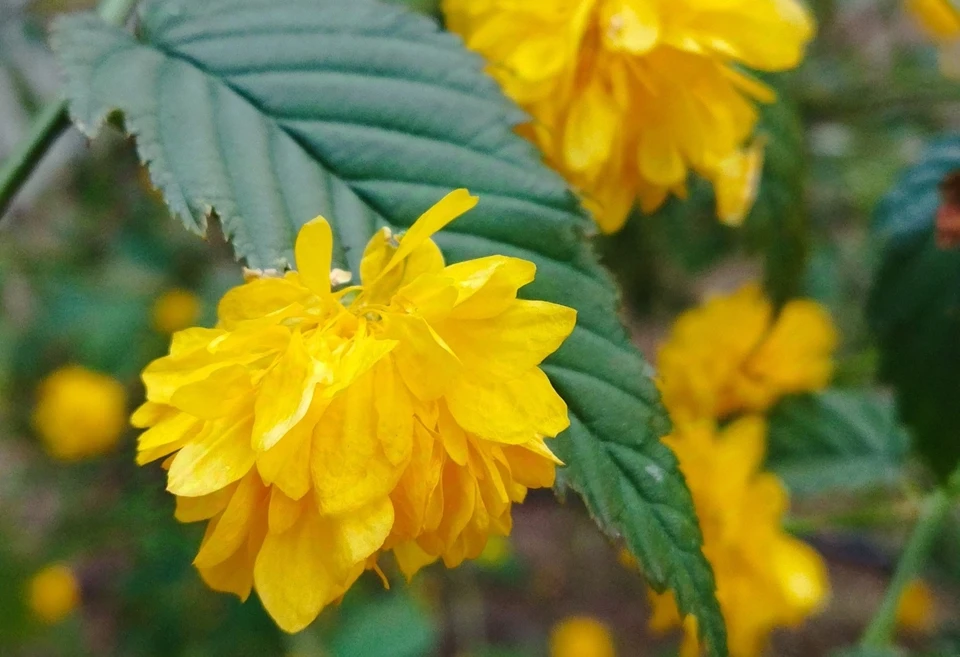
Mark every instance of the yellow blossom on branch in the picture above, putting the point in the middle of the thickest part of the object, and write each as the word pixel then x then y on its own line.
pixel 176 310
pixel 53 594
pixel 79 413
pixel 628 96
pixel 765 577
pixel 316 429
pixel 581 636
pixel 734 354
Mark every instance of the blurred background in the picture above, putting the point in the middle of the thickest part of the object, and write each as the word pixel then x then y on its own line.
pixel 94 276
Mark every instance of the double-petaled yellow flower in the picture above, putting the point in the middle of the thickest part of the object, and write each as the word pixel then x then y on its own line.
pixel 765 577
pixel 316 428
pixel 734 355
pixel 628 96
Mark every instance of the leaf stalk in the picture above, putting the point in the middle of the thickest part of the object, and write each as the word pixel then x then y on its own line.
pixel 50 123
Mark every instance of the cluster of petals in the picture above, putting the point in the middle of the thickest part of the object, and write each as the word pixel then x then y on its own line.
pixel 627 97
pixel 766 578
pixel 316 429
pixel 730 360
pixel 736 353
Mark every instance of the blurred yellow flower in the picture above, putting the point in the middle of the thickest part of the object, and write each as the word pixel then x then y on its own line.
pixel 628 96
pixel 316 429
pixel 176 310
pixel 941 19
pixel 581 636
pixel 915 610
pixel 732 354
pixel 54 593
pixel 765 577
pixel 79 413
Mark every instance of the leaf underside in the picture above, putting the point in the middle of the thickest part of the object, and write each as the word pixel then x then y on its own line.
pixel 268 114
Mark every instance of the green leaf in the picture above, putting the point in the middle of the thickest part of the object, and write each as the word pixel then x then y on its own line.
pixel 914 307
pixel 267 115
pixel 837 440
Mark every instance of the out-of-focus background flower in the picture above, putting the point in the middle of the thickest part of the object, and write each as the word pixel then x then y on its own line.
pixel 94 276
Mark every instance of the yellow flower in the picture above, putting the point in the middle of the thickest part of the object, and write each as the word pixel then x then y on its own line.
pixel 317 429
pixel 733 354
pixel 581 636
pixel 915 609
pixel 765 577
pixel 54 593
pixel 79 413
pixel 628 96
pixel 176 310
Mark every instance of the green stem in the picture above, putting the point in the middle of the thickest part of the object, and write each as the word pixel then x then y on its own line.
pixel 50 123
pixel 935 510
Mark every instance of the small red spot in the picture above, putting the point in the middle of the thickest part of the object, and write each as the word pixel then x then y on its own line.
pixel 948 215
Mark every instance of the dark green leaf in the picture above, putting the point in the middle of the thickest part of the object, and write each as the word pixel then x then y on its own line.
pixel 914 307
pixel 837 440
pixel 267 115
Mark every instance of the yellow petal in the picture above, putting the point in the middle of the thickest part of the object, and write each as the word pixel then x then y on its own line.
pixel 529 468
pixel 283 512
pixel 300 571
pixel 149 414
pixel 631 25
pixel 348 466
pixel 215 395
pixel 446 210
pixel 286 465
pixel 285 394
pixel 235 575
pixel 166 437
pixel 511 343
pixel 362 532
pixel 195 509
pixel 424 360
pixel 314 254
pixel 218 456
pixel 259 299
pixel 227 533
pixel 411 558
pixel 510 412
pixel 487 286
pixel 394 413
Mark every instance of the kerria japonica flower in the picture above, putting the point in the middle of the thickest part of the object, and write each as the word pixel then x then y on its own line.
pixel 316 429
pixel 628 96
pixel 766 578
pixel 737 354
